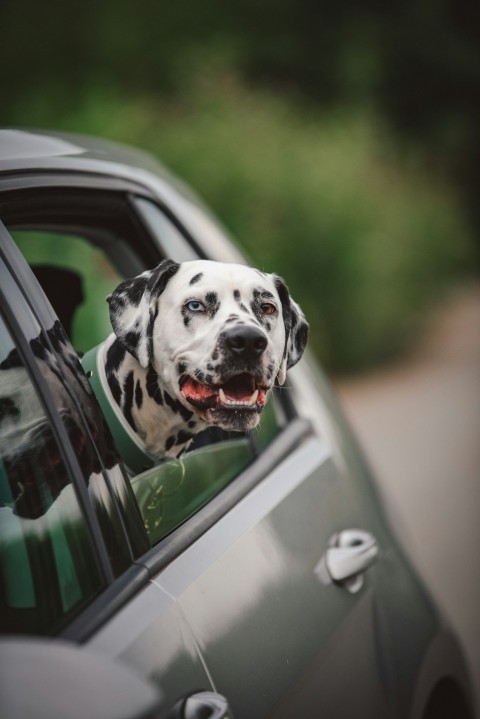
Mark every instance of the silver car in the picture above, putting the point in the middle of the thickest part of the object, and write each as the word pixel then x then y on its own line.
pixel 255 577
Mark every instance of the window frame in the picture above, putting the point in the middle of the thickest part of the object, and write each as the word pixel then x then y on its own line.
pixel 14 296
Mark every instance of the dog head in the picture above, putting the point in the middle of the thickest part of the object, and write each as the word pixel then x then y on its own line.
pixel 217 335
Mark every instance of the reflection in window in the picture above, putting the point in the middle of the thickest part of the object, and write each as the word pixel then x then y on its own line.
pixel 48 566
pixel 173 491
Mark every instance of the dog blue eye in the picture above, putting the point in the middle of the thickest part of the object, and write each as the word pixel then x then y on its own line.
pixel 195 306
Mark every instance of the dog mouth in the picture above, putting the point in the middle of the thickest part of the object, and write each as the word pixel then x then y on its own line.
pixel 239 393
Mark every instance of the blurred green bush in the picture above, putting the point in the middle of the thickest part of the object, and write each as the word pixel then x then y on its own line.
pixel 364 240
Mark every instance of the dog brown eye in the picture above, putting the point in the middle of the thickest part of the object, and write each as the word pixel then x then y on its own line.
pixel 267 308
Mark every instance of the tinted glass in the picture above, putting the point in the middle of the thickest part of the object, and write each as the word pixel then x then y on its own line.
pixel 48 566
pixel 173 491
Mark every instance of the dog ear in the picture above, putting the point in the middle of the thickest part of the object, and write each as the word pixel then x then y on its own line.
pixel 133 309
pixel 296 329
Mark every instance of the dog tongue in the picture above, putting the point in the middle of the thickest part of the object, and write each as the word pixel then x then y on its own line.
pixel 237 390
pixel 197 391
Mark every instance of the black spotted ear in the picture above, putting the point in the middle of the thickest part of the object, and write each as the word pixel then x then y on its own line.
pixel 296 329
pixel 133 309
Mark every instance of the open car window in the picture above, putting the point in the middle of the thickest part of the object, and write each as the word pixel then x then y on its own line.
pixel 82 255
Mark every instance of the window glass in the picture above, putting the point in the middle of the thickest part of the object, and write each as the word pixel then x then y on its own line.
pixel 172 492
pixel 172 242
pixel 48 567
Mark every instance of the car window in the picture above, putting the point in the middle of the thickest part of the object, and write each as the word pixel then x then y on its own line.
pixel 48 566
pixel 100 258
pixel 76 276
pixel 173 491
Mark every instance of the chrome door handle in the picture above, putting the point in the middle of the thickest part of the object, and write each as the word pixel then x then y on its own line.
pixel 349 554
pixel 201 705
pixel 206 704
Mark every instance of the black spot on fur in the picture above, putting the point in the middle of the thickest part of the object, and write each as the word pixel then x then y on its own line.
pixel 243 308
pixel 183 437
pixel 284 295
pixel 169 443
pixel 192 424
pixel 212 304
pixel 8 409
pixel 177 407
pixel 115 357
pixel 181 367
pixel 131 340
pixel 186 316
pixel 151 321
pixel 196 278
pixel 161 275
pixel 152 386
pixel 301 337
pixel 128 399
pixel 138 395
pixel 131 291
pixel 115 388
pixel 236 295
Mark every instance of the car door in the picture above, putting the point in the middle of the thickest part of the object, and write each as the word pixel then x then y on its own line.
pixel 277 635
pixel 240 600
pixel 247 575
pixel 67 559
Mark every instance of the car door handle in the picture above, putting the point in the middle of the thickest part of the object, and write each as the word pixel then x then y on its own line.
pixel 349 554
pixel 201 705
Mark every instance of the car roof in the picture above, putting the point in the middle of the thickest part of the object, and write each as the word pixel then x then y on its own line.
pixel 33 151
pixel 42 149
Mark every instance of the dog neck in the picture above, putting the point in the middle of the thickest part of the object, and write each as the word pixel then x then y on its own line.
pixel 147 423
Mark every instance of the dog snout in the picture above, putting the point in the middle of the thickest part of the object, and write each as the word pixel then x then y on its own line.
pixel 245 342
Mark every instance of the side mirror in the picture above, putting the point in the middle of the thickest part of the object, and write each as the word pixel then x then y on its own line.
pixel 49 679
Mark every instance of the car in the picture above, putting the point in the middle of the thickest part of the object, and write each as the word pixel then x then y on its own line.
pixel 257 573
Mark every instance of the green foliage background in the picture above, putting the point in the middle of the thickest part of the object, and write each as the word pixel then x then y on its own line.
pixel 339 145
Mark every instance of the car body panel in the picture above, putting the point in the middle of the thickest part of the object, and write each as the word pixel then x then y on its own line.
pixel 152 636
pixel 252 585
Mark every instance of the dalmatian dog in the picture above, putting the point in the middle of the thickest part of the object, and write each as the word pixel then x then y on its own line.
pixel 197 344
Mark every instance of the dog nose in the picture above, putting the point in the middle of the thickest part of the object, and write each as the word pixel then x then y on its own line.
pixel 245 341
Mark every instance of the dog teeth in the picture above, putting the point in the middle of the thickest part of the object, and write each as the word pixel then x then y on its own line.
pixel 253 398
pixel 236 403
